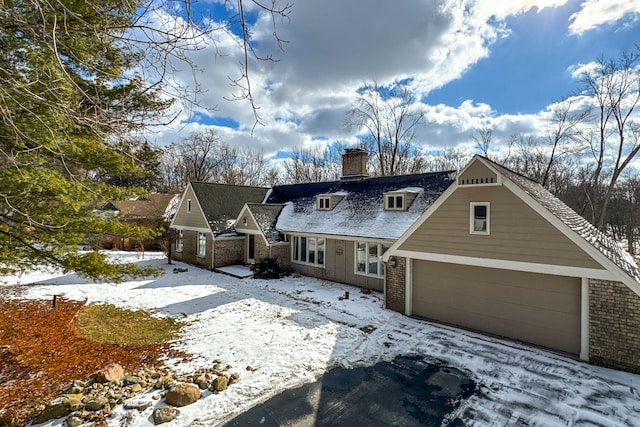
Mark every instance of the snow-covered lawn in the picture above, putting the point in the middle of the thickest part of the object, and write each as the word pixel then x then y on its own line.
pixel 295 329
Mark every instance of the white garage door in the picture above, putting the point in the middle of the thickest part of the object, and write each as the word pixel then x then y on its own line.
pixel 536 308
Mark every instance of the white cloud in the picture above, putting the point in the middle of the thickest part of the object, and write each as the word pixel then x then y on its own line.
pixel 594 13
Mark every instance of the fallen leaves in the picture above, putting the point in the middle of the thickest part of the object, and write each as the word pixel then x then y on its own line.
pixel 41 353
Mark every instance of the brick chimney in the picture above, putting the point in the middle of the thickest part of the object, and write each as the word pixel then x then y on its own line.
pixel 354 164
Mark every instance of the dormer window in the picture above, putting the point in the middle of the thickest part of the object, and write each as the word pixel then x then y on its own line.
pixel 323 203
pixel 394 202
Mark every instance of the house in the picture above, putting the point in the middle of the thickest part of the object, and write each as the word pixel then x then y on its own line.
pixel 203 226
pixel 498 253
pixel 154 211
pixel 338 230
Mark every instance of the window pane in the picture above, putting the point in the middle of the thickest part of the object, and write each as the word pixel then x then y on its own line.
pixel 399 201
pixel 312 250
pixel 202 244
pixel 321 251
pixel 296 254
pixel 480 218
pixel 361 257
pixel 373 258
pixel 390 202
pixel 303 249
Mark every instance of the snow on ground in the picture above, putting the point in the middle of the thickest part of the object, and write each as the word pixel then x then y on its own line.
pixel 295 329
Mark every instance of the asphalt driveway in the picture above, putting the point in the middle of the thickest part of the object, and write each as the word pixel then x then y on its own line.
pixel 409 391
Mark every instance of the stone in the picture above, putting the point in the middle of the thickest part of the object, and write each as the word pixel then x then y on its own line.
pixel 234 378
pixel 220 383
pixel 74 421
pixel 183 394
pixel 131 379
pixel 96 403
pixel 138 405
pixel 164 382
pixel 202 382
pixel 59 407
pixel 136 388
pixel 164 415
pixel 111 372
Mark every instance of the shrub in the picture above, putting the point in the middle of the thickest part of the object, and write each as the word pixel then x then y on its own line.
pixel 268 268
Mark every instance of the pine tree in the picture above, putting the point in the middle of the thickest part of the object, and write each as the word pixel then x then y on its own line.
pixel 69 99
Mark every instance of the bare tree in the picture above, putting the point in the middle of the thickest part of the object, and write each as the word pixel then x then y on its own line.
pixel 614 137
pixel 387 119
pixel 483 138
pixel 200 155
pixel 308 166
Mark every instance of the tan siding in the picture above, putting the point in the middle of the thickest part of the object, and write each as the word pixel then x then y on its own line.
pixel 251 224
pixel 518 233
pixel 536 308
pixel 477 171
pixel 195 218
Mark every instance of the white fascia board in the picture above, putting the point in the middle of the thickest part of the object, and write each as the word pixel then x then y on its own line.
pixel 556 270
pixel 189 228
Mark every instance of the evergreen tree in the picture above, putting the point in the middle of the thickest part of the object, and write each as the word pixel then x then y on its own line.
pixel 69 100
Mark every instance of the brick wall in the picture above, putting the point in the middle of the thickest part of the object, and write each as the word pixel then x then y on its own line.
pixel 229 251
pixel 614 325
pixel 282 253
pixel 395 292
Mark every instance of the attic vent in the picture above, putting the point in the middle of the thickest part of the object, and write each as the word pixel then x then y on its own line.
pixel 473 181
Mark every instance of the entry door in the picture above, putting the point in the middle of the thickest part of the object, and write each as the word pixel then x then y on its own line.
pixel 252 247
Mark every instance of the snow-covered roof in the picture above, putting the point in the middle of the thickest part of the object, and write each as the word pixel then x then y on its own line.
pixel 573 220
pixel 266 216
pixel 361 212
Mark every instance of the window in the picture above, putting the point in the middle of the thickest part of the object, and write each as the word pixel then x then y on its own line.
pixel 179 241
pixel 368 258
pixel 202 245
pixel 324 203
pixel 189 205
pixel 479 218
pixel 309 250
pixel 394 202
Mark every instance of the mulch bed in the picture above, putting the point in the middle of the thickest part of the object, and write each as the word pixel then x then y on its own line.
pixel 41 353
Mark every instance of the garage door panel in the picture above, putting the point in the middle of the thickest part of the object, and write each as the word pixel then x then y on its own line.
pixel 537 308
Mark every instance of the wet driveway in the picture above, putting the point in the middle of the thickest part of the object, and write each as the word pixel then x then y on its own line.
pixel 406 392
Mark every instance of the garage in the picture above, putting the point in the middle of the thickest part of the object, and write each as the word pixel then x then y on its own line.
pixel 536 308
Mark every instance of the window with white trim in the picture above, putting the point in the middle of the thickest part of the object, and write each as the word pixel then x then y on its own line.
pixel 179 241
pixel 323 203
pixel 368 260
pixel 479 218
pixel 394 202
pixel 308 250
pixel 202 244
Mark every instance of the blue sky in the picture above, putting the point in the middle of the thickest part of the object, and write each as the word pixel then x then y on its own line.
pixel 472 64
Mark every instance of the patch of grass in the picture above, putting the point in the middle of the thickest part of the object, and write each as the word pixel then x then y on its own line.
pixel 108 324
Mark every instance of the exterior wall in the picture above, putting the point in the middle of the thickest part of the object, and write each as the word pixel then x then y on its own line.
pixel 518 233
pixel 395 292
pixel 339 266
pixel 261 247
pixel 229 251
pixel 614 325
pixel 282 253
pixel 477 171
pixel 195 218
pixel 190 250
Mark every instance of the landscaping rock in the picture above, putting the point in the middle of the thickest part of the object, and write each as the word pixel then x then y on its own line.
pixel 183 394
pixel 96 403
pixel 220 383
pixel 131 379
pixel 164 415
pixel 137 405
pixel 74 421
pixel 111 372
pixel 234 378
pixel 59 407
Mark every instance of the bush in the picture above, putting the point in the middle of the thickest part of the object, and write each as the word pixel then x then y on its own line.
pixel 268 268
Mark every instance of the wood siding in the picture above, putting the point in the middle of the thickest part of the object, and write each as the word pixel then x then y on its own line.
pixel 339 266
pixel 518 233
pixel 535 308
pixel 477 173
pixel 195 218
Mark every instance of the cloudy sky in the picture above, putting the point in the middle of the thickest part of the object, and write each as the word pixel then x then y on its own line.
pixel 472 64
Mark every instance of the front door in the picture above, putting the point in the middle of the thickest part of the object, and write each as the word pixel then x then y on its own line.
pixel 252 248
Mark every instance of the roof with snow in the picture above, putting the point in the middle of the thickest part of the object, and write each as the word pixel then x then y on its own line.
pixel 573 220
pixel 221 203
pixel 154 206
pixel 360 212
pixel 266 216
